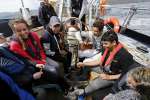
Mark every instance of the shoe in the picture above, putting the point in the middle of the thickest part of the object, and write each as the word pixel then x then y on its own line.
pixel 78 92
pixel 80 97
pixel 74 94
pixel 70 96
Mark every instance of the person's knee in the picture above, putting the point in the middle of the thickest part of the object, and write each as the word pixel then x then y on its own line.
pixel 51 69
pixel 52 62
pixel 100 83
pixel 57 65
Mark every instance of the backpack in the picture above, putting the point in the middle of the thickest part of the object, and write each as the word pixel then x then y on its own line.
pixel 9 62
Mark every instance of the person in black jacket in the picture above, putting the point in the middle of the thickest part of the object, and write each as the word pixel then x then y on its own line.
pixel 46 10
pixel 53 43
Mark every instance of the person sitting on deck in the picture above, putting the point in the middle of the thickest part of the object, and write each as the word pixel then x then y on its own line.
pixel 95 38
pixel 138 79
pixel 22 72
pixel 53 42
pixel 73 30
pixel 91 45
pixel 27 45
pixel 114 63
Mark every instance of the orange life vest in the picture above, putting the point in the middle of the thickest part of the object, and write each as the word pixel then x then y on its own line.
pixel 114 21
pixel 111 56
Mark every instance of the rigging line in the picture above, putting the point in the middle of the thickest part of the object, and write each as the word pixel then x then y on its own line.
pixel 110 6
pixel 132 11
pixel 85 7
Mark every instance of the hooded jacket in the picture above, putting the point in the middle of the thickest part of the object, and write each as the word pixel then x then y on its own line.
pixel 49 35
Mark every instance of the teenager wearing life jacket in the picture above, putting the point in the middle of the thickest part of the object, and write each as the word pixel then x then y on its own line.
pixel 114 62
pixel 27 44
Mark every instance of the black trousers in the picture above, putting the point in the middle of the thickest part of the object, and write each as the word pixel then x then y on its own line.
pixel 66 60
pixel 6 93
pixel 49 77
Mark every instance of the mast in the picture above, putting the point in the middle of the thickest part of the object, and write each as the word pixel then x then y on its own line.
pixel 26 14
pixel 22 3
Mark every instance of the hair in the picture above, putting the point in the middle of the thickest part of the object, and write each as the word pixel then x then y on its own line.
pixel 99 23
pixel 17 21
pixel 142 76
pixel 73 22
pixel 110 36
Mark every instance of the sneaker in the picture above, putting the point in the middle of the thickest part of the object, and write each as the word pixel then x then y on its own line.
pixel 78 92
pixel 70 96
pixel 74 94
pixel 80 97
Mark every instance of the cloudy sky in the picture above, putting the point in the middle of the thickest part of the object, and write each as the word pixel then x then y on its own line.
pixel 14 5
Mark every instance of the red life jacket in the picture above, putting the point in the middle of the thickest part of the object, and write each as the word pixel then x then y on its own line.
pixel 111 56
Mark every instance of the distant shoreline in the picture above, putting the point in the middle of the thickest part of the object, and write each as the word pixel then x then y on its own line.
pixel 10 15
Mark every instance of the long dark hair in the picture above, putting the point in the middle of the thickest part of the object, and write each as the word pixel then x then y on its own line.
pixel 110 36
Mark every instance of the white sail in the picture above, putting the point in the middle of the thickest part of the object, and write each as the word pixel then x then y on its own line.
pixel 59 8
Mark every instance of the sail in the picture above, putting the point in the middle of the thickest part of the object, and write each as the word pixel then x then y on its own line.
pixel 86 5
pixel 59 8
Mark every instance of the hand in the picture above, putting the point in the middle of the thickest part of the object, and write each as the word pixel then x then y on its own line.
pixel 105 76
pixel 63 52
pixel 37 75
pixel 82 47
pixel 44 60
pixel 41 66
pixel 80 64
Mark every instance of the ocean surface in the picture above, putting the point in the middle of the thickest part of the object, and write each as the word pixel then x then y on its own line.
pixel 140 21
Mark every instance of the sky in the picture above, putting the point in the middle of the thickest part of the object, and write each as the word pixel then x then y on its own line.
pixel 14 5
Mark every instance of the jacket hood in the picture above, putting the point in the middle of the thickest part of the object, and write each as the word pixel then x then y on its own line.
pixel 54 20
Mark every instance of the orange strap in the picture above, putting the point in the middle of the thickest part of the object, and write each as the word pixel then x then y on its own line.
pixel 112 54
